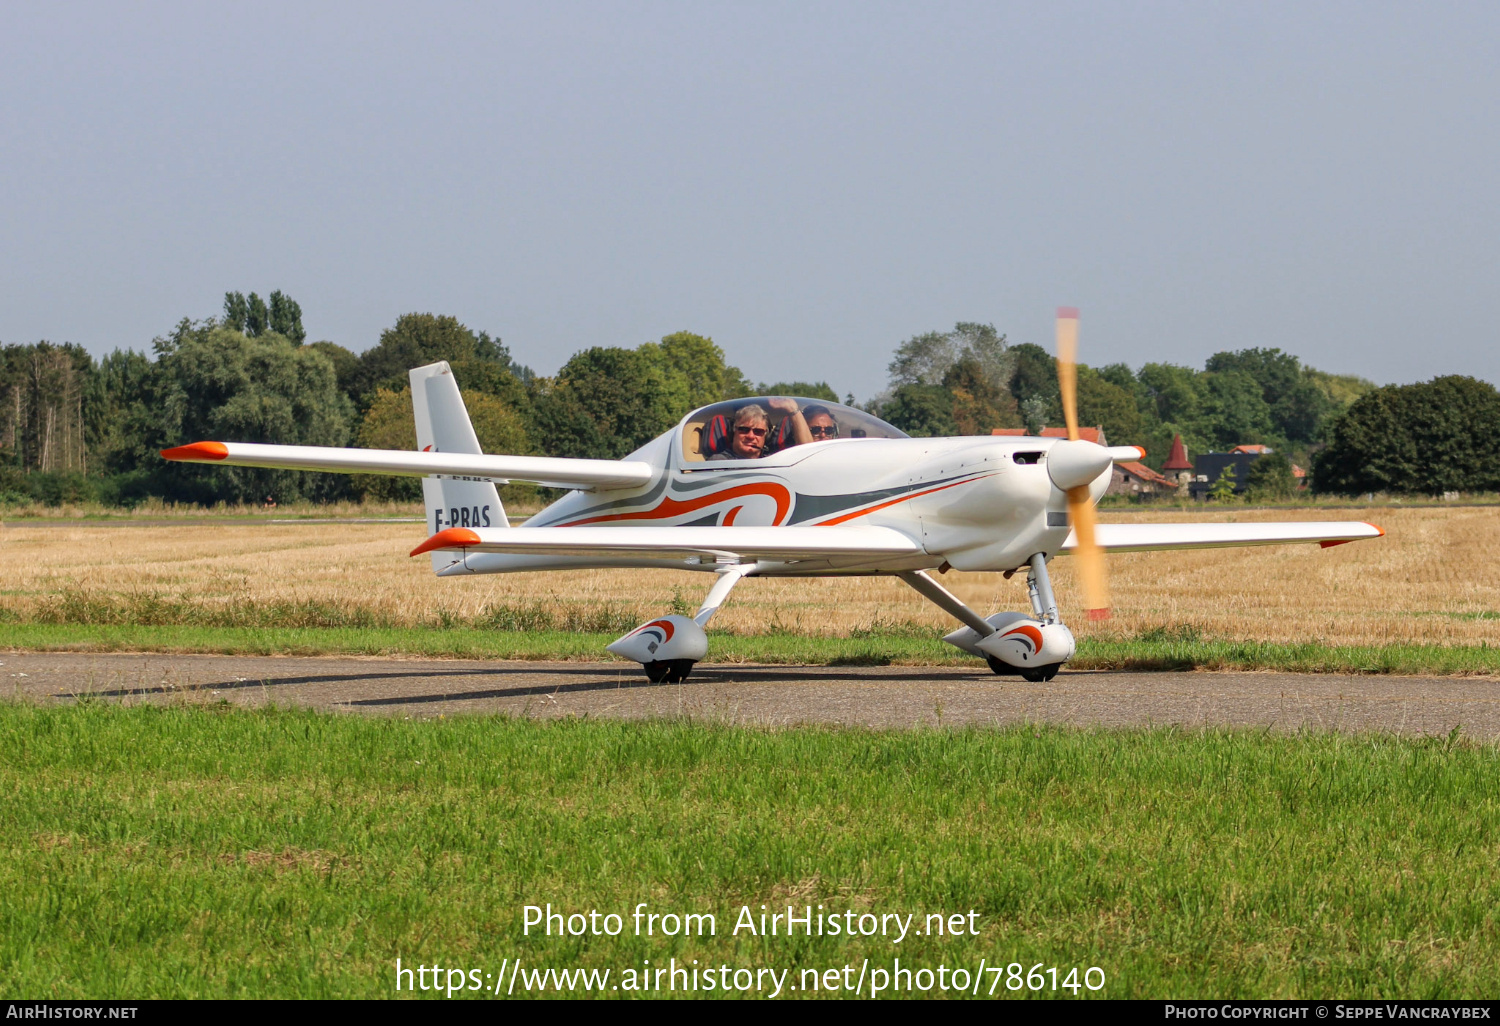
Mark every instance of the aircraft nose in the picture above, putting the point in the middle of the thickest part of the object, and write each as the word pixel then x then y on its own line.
pixel 1073 464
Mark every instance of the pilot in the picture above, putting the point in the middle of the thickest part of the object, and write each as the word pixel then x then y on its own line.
pixel 752 428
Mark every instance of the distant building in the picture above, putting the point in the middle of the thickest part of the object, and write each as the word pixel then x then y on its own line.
pixel 1210 466
pixel 1178 467
pixel 1138 479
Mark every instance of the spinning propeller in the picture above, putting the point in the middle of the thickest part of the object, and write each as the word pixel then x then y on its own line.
pixel 1073 465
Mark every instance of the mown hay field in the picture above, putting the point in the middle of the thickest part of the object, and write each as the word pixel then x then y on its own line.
pixel 1433 580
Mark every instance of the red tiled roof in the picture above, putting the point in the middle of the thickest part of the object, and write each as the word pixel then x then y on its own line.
pixel 1088 434
pixel 1145 473
pixel 1177 459
pixel 1253 448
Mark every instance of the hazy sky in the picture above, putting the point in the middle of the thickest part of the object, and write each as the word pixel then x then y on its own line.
pixel 810 184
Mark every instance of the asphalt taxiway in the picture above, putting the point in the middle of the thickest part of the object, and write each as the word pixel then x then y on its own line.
pixel 875 696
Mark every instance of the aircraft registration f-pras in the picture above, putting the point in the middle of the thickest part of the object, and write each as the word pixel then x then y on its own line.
pixel 787 487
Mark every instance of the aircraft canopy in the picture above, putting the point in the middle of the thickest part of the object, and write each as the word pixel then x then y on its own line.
pixel 710 430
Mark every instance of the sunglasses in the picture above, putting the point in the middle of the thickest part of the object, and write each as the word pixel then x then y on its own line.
pixel 818 431
pixel 756 432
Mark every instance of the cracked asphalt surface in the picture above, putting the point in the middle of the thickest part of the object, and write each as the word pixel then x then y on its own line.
pixel 874 696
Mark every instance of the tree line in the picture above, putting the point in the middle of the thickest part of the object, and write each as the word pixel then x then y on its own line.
pixel 75 428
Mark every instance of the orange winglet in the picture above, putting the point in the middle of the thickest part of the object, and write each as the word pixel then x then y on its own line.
pixel 451 538
pixel 1378 528
pixel 197 451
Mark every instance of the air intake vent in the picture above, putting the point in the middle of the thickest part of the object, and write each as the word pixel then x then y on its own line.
pixel 1027 458
pixel 1057 519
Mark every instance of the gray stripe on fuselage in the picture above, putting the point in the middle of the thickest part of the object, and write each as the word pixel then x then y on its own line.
pixel 648 497
pixel 811 507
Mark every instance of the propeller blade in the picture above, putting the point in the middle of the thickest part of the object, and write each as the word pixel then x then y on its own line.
pixel 1090 556
pixel 1091 572
pixel 1067 366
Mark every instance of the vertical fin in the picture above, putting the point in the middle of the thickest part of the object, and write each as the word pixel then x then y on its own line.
pixel 443 426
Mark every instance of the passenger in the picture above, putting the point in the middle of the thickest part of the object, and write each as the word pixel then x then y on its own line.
pixel 820 423
pixel 752 429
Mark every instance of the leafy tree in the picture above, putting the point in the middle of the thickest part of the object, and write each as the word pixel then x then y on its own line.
pixel 1441 435
pixel 215 383
pixel 1298 406
pixel 1270 477
pixel 1033 383
pixel 1176 393
pixel 700 363
pixel 1035 413
pixel 1100 402
pixel 1340 389
pixel 46 407
pixel 607 402
pixel 922 411
pixel 1222 490
pixel 1234 410
pixel 252 317
pixel 806 389
pixel 345 363
pixel 415 340
pixel 286 317
pixel 1121 375
pixel 926 359
pixel 257 317
pixel 236 311
pixel 979 402
pixel 923 359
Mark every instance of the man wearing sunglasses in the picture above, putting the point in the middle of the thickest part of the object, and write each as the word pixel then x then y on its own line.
pixel 752 429
pixel 820 423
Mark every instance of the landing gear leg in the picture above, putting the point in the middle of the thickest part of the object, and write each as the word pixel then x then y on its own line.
pixel 673 629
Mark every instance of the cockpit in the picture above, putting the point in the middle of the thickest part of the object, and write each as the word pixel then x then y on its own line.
pixel 761 426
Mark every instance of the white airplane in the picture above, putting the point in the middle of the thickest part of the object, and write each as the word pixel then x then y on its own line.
pixel 862 498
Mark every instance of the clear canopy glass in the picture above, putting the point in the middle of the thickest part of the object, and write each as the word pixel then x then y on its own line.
pixel 708 433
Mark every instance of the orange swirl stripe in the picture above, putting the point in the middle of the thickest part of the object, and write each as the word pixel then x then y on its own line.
pixel 674 507
pixel 1031 634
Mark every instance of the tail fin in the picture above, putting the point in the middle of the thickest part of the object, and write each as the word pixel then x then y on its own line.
pixel 443 426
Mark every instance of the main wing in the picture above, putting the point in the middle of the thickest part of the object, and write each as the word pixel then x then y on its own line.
pixel 678 542
pixel 1153 537
pixel 584 475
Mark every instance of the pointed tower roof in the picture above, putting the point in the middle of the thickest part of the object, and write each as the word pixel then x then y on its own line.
pixel 1178 459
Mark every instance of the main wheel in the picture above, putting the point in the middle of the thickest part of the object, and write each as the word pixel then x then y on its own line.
pixel 1041 673
pixel 668 671
pixel 1001 667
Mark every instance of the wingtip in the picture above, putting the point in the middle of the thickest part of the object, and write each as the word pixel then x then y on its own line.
pixel 1377 527
pixel 197 452
pixel 451 538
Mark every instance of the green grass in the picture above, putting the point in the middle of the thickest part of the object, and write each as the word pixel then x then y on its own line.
pixel 1151 650
pixel 209 851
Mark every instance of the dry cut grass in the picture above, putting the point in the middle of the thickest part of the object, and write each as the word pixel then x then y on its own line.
pixel 1433 579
